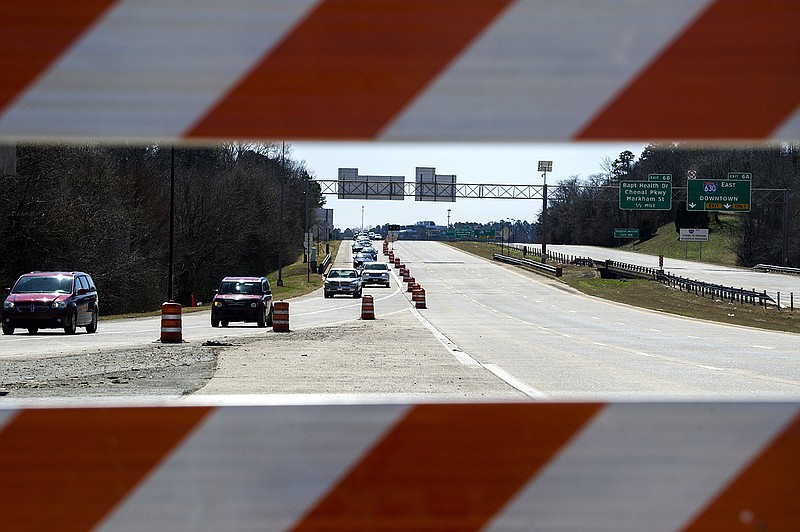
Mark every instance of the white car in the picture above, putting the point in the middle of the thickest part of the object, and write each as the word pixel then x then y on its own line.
pixel 375 273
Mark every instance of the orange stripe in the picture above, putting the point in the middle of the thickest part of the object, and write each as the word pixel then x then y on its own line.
pixel 348 68
pixel 766 496
pixel 734 73
pixel 66 469
pixel 35 33
pixel 448 467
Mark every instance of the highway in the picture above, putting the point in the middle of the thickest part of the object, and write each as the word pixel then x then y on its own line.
pixel 540 337
pixel 564 345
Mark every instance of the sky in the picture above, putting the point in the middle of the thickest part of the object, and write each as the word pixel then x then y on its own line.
pixel 502 164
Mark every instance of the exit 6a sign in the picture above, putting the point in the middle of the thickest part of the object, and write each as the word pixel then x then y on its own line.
pixel 728 195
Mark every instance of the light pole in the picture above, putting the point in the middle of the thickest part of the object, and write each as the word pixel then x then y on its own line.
pixel 280 230
pixel 544 167
pixel 362 217
pixel 448 218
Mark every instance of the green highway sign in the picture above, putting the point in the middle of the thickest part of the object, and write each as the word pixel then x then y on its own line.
pixel 626 232
pixel 659 177
pixel 730 195
pixel 645 195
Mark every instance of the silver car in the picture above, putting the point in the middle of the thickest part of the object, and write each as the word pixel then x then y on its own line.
pixel 375 273
pixel 342 281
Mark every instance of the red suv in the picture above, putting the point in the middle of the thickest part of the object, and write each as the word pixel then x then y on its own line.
pixel 51 300
pixel 242 299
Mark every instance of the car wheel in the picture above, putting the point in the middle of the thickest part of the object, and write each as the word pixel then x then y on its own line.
pixel 92 327
pixel 387 285
pixel 72 323
pixel 269 318
pixel 327 294
pixel 8 330
pixel 224 323
pixel 261 321
pixel 357 294
pixel 214 323
pixel 33 330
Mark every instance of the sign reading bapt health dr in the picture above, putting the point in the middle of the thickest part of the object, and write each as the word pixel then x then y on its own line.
pixel 652 195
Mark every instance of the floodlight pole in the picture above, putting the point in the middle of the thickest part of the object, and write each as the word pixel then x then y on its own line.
pixel 544 167
pixel 280 227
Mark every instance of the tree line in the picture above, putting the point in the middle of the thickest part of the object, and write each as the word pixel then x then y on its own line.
pixel 586 211
pixel 105 210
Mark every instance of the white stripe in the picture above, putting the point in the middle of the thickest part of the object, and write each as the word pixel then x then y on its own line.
pixel 151 68
pixel 171 317
pixel 171 329
pixel 645 467
pixel 543 70
pixel 253 468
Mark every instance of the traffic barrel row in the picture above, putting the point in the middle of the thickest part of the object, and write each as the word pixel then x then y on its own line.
pixel 417 292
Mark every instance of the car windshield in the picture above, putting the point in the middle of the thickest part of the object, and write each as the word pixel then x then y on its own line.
pixel 375 266
pixel 234 287
pixel 349 274
pixel 60 284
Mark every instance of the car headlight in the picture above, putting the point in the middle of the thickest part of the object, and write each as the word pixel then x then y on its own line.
pixel 8 304
pixel 59 304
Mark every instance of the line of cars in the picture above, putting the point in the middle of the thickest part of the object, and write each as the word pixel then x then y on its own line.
pixel 366 270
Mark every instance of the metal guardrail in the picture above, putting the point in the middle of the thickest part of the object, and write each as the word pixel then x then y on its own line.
pixel 700 288
pixel 326 262
pixel 777 269
pixel 555 271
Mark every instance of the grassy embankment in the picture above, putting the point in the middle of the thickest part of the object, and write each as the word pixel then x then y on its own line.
pixel 656 296
pixel 297 281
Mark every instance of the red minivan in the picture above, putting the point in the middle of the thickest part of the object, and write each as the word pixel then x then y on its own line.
pixel 51 300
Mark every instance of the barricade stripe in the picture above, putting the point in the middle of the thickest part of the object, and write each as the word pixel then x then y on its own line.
pixel 766 495
pixel 448 467
pixel 35 33
pixel 745 52
pixel 319 82
pixel 69 467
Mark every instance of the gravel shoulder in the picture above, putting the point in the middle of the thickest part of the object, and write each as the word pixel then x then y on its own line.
pixel 391 355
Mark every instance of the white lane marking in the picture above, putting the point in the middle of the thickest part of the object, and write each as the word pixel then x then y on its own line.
pixel 763 347
pixel 515 383
pixel 710 367
pixel 460 355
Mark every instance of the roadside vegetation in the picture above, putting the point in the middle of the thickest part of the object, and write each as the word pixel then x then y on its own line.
pixel 659 297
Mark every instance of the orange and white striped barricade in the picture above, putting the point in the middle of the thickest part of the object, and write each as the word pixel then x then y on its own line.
pixel 171 322
pixel 367 308
pixel 280 316
pixel 411 282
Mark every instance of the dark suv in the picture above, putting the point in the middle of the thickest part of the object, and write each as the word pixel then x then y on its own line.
pixel 51 300
pixel 242 299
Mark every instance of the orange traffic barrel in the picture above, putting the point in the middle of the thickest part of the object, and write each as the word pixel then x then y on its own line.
pixel 411 282
pixel 280 316
pixel 391 256
pixel 367 308
pixel 406 273
pixel 397 262
pixel 171 328
pixel 418 296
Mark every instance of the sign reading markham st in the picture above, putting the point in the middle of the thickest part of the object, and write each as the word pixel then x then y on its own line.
pixel 732 194
pixel 655 194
